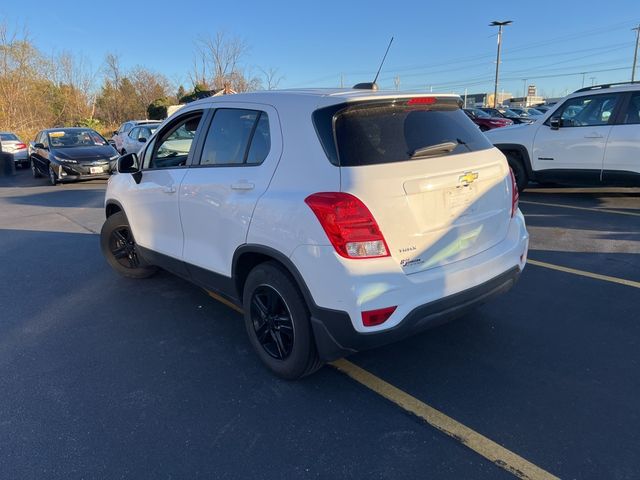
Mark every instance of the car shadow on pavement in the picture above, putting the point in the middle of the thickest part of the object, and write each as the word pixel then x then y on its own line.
pixel 78 198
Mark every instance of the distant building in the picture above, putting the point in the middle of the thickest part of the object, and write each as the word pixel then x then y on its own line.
pixel 486 99
pixel 526 101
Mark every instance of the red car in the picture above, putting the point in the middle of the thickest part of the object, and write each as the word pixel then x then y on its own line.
pixel 486 121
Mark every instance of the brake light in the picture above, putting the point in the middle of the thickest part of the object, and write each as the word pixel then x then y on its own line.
pixel 20 146
pixel 371 318
pixel 422 101
pixel 348 223
pixel 515 195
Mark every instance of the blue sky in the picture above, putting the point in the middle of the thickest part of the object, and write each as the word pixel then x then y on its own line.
pixel 446 46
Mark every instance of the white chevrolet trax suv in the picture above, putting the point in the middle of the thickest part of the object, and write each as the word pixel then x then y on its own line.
pixel 338 220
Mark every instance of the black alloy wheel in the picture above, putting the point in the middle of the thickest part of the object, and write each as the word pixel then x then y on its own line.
pixel 53 179
pixel 278 323
pixel 123 247
pixel 272 322
pixel 120 249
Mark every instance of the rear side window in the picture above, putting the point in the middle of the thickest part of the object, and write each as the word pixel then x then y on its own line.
pixel 237 137
pixel 371 133
pixel 7 137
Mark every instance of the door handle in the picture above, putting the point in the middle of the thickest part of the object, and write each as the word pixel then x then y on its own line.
pixel 169 189
pixel 242 186
pixel 593 135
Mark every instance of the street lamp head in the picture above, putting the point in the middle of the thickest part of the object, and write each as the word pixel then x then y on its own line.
pixel 496 23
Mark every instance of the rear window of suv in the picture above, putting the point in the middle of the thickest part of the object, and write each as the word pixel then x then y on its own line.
pixel 377 132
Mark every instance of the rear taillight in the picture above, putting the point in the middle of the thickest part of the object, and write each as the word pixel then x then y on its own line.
pixel 348 223
pixel 371 318
pixel 20 146
pixel 515 195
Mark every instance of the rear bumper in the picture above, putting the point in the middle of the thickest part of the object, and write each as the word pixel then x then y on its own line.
pixel 335 336
pixel 20 157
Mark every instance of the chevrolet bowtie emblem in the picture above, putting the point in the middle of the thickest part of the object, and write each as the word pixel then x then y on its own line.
pixel 468 178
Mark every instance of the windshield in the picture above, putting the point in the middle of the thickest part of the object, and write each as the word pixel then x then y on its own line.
pixel 370 133
pixel 6 137
pixel 510 113
pixel 75 138
pixel 480 113
pixel 533 111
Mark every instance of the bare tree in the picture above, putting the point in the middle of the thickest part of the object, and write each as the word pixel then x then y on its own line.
pixel 218 63
pixel 272 78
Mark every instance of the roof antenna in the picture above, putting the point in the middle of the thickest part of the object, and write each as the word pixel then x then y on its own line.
pixel 373 85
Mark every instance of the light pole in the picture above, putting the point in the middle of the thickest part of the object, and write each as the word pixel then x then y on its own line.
pixel 635 54
pixel 495 23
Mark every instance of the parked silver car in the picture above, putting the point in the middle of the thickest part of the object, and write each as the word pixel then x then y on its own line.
pixel 136 138
pixel 120 134
pixel 17 148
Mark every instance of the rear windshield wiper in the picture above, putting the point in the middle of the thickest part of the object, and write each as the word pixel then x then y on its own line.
pixel 433 150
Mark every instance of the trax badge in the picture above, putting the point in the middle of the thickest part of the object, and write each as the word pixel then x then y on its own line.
pixel 468 178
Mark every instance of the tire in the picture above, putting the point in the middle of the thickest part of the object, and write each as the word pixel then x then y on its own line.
pixel 275 309
pixel 522 179
pixel 120 249
pixel 34 171
pixel 53 178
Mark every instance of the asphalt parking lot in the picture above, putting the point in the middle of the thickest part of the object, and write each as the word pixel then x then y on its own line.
pixel 104 377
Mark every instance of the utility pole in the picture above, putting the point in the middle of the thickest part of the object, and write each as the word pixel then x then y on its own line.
pixel 583 74
pixel 524 87
pixel 593 81
pixel 396 82
pixel 635 53
pixel 495 23
pixel 341 80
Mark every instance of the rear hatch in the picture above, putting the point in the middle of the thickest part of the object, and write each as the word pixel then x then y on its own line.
pixel 436 187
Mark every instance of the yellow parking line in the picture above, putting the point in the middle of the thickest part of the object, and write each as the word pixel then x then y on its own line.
pixel 489 449
pixel 480 444
pixel 223 300
pixel 597 276
pixel 590 209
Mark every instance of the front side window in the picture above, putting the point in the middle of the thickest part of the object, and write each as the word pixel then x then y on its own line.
pixel 174 144
pixel 632 115
pixel 236 137
pixel 134 133
pixel 591 110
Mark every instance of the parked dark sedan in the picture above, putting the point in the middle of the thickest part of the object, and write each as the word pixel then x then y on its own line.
pixel 67 154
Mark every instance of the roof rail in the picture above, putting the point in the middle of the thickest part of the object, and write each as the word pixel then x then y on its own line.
pixel 606 85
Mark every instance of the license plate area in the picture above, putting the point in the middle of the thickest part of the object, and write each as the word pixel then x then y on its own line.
pixel 94 170
pixel 460 198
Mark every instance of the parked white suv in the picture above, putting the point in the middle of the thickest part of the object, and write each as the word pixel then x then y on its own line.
pixel 338 220
pixel 591 137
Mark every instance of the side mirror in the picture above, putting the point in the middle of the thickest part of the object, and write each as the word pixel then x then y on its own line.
pixel 38 145
pixel 115 132
pixel 142 140
pixel 129 163
pixel 555 123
